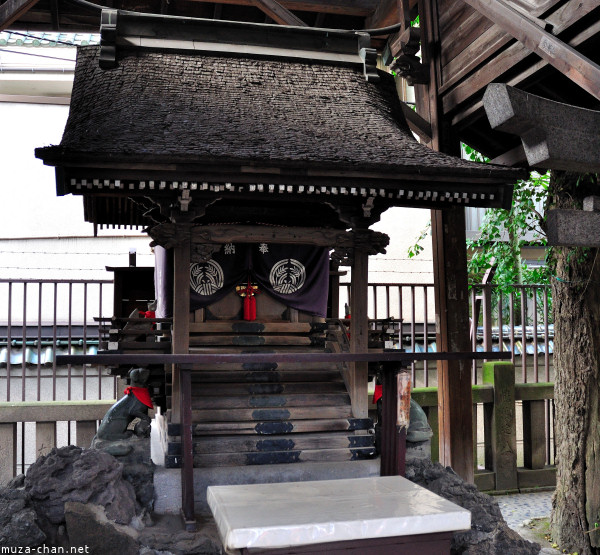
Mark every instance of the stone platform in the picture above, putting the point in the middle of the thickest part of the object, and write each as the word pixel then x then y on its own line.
pixel 167 481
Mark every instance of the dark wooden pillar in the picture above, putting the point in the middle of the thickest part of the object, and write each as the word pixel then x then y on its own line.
pixel 452 322
pixel 359 333
pixel 181 318
pixel 450 271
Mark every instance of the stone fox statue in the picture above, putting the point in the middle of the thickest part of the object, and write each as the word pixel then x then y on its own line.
pixel 135 404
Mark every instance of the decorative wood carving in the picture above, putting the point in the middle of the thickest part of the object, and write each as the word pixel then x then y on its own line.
pixel 401 55
pixel 205 238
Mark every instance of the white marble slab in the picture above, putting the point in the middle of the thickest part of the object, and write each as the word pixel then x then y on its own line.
pixel 299 513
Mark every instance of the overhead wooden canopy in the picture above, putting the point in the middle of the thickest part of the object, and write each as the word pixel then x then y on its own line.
pixel 168 129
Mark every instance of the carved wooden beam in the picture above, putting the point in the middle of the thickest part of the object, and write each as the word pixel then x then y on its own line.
pixel 12 10
pixel 278 13
pixel 169 235
pixel 400 55
pixel 567 60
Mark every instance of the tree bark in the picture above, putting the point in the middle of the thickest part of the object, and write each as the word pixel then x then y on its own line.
pixel 576 300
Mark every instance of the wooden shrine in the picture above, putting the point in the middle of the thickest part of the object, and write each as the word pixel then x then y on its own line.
pixel 248 152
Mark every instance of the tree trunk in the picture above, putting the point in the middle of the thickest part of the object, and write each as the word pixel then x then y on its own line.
pixel 576 300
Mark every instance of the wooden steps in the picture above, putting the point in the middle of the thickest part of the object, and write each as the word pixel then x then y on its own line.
pixel 241 326
pixel 273 388
pixel 273 428
pixel 289 442
pixel 279 457
pixel 255 340
pixel 272 400
pixel 268 413
pixel 277 414
pixel 266 376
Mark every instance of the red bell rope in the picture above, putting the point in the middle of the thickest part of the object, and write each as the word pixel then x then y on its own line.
pixel 248 293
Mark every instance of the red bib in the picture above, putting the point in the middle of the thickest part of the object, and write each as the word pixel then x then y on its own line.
pixel 141 394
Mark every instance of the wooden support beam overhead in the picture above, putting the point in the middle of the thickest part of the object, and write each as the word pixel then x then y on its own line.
pixel 567 60
pixel 278 13
pixel 12 10
pixel 416 123
pixel 55 14
pixel 389 12
pixel 360 8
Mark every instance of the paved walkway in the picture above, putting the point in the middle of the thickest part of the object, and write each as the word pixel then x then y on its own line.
pixel 519 508
pixel 523 506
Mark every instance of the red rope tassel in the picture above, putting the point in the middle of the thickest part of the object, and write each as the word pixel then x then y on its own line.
pixel 249 308
pixel 248 293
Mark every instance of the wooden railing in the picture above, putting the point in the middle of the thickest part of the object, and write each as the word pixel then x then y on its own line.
pixel 517 454
pixel 45 415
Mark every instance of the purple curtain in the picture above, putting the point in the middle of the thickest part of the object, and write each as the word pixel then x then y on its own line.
pixel 296 275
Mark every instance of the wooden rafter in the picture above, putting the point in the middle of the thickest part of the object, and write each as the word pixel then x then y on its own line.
pixel 507 59
pixel 416 123
pixel 12 10
pixel 389 12
pixel 278 13
pixel 55 15
pixel 567 60
pixel 361 8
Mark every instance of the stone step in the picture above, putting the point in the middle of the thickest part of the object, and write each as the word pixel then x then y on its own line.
pixel 167 481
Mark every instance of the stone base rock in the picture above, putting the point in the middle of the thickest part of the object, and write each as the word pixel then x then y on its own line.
pixel 79 475
pixel 489 534
pixel 18 520
pixel 138 469
pixel 167 537
pixel 87 526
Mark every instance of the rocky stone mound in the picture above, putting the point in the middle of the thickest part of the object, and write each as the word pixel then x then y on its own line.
pixel 489 534
pixel 36 509
pixel 19 524
pixel 80 475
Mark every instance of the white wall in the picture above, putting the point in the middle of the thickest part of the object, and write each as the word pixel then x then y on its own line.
pixel 43 236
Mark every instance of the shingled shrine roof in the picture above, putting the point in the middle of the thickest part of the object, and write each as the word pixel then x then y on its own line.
pixel 173 117
pixel 177 107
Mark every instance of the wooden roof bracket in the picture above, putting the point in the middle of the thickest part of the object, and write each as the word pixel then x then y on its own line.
pixel 369 58
pixel 400 54
pixel 108 39
pixel 123 30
